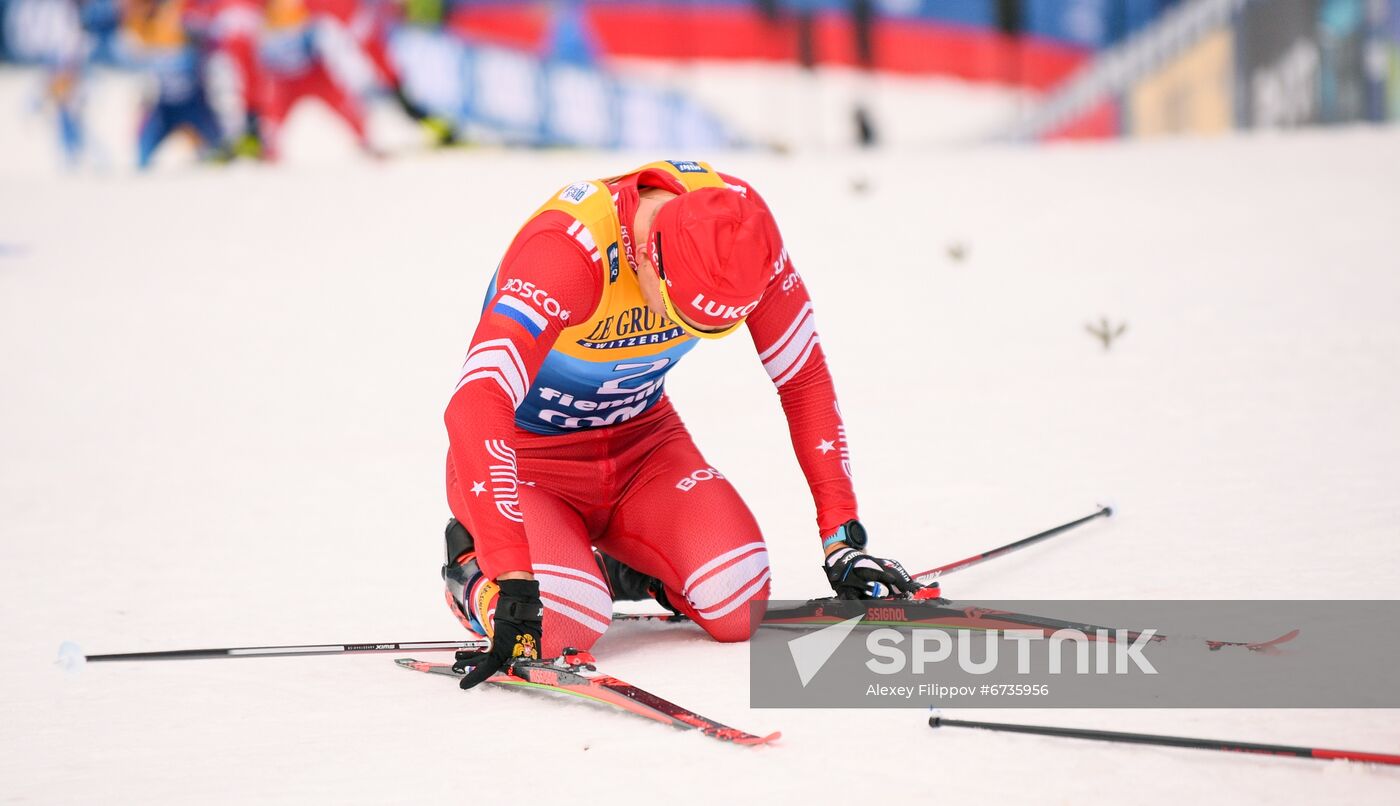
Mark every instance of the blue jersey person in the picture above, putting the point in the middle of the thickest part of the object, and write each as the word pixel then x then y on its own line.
pixel 163 36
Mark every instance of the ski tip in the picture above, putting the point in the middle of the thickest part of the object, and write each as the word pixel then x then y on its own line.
pixel 71 658
pixel 755 741
pixel 410 663
pixel 1268 646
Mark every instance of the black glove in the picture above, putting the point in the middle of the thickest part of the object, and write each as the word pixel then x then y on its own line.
pixel 853 574
pixel 515 631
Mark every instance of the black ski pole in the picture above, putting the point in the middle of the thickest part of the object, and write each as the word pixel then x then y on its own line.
pixel 1225 745
pixel 934 573
pixel 70 655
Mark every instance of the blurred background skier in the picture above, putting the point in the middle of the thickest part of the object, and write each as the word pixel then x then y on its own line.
pixel 62 52
pixel 295 50
pixel 168 38
pixel 234 27
pixel 370 23
pixel 63 89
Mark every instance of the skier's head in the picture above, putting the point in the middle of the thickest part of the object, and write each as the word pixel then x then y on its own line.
pixel 714 250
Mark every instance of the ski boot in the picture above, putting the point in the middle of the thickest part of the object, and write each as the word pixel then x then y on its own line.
pixel 469 593
pixel 472 597
pixel 630 585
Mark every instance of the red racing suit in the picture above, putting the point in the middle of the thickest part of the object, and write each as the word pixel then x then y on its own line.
pixel 562 438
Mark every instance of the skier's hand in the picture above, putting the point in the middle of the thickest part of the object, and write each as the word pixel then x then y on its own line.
pixel 515 632
pixel 853 574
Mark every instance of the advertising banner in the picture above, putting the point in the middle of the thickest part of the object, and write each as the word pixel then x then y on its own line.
pixel 1192 94
pixel 511 96
pixel 1280 63
pixel 1344 82
pixel 40 31
pixel 1387 56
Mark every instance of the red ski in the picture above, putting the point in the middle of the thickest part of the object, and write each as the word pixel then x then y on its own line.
pixel 575 675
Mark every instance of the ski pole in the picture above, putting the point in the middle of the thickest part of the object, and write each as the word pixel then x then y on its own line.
pixel 934 573
pixel 70 655
pixel 1225 745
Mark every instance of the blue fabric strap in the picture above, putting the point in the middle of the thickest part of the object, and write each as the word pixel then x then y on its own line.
pixel 838 537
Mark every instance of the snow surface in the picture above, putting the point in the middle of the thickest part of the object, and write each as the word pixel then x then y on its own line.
pixel 221 425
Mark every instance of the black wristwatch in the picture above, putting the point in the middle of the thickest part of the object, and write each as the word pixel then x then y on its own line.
pixel 855 534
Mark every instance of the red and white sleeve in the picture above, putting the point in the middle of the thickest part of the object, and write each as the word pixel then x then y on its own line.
pixel 546 280
pixel 784 332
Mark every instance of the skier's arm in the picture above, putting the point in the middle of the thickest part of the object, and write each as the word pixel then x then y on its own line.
pixel 545 282
pixel 784 331
pixel 783 327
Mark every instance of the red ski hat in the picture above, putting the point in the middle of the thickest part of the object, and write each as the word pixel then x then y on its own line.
pixel 714 249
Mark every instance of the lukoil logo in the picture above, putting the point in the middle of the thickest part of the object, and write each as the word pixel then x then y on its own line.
pixel 714 308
